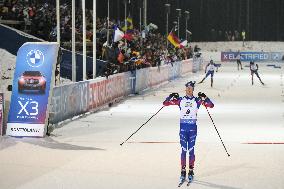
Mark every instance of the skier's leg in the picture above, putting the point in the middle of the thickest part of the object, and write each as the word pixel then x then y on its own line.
pixel 251 78
pixel 202 79
pixel 212 75
pixel 183 142
pixel 256 73
pixel 191 145
pixel 207 74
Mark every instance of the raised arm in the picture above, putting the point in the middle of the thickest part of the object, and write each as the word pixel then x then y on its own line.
pixel 172 99
pixel 206 102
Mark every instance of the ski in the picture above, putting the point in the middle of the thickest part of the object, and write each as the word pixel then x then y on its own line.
pixel 188 183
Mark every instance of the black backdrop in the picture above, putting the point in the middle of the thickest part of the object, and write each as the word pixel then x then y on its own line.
pixel 263 20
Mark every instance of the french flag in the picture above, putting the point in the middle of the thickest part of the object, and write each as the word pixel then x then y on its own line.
pixel 183 44
pixel 118 35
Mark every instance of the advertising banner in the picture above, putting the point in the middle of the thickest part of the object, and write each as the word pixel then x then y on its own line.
pixel 69 101
pixel 106 90
pixel 187 66
pixel 252 56
pixel 158 76
pixel 2 100
pixel 32 86
pixel 197 64
pixel 142 79
pixel 174 70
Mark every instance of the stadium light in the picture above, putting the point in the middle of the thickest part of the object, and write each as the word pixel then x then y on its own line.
pixel 168 9
pixel 84 39
pixel 94 39
pixel 178 16
pixel 186 13
pixel 73 43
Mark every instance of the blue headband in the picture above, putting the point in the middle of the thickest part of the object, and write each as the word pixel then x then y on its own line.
pixel 190 84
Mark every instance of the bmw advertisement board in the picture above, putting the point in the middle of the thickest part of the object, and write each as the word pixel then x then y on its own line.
pixel 32 86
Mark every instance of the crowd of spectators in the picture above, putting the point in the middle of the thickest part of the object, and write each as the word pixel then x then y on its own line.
pixel 224 35
pixel 146 48
pixel 40 19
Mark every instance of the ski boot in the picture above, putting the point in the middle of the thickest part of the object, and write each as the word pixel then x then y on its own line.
pixel 190 175
pixel 182 176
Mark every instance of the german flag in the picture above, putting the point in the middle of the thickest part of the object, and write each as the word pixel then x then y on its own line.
pixel 174 39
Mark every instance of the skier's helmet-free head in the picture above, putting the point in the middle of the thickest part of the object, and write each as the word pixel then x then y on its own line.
pixel 211 61
pixel 251 62
pixel 190 84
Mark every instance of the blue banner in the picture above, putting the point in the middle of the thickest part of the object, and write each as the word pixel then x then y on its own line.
pixel 32 84
pixel 252 56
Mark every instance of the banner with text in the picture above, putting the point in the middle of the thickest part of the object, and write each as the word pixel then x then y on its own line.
pixel 32 85
pixel 253 56
pixel 69 101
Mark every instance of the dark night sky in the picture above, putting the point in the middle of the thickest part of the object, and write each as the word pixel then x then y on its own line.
pixel 263 20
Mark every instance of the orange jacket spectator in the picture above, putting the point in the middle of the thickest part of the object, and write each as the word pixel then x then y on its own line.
pixel 120 58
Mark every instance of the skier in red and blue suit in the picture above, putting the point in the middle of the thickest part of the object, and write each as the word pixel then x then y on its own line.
pixel 189 106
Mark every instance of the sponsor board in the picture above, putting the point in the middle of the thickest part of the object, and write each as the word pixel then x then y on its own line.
pixel 252 56
pixel 142 79
pixel 187 66
pixel 69 101
pixel 158 75
pixel 32 86
pixel 104 91
pixel 174 70
pixel 197 64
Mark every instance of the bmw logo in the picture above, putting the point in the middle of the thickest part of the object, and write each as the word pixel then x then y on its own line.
pixel 35 58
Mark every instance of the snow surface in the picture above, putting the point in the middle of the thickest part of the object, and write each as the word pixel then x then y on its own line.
pixel 86 154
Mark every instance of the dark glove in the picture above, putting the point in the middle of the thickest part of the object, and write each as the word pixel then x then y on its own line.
pixel 201 95
pixel 174 95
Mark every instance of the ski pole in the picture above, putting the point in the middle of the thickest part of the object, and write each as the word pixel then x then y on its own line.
pixel 142 125
pixel 217 132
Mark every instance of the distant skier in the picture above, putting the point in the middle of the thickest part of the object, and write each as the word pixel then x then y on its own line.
pixel 239 63
pixel 254 70
pixel 209 70
pixel 189 106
